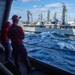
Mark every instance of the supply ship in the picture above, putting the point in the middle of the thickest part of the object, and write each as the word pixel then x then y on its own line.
pixel 67 28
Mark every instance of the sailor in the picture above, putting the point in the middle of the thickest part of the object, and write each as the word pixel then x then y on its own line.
pixel 17 35
pixel 5 40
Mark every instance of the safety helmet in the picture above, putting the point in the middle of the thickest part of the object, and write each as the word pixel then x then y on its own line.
pixel 15 17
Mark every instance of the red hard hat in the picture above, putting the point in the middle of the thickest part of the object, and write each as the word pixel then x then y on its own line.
pixel 15 17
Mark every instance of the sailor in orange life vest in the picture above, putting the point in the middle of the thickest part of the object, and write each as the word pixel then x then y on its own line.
pixel 16 35
pixel 5 40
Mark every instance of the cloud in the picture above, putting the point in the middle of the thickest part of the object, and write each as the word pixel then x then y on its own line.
pixel 26 0
pixel 29 0
pixel 35 6
pixel 53 5
pixel 36 0
pixel 37 10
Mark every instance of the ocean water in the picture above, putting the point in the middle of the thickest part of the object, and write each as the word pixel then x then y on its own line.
pixel 52 48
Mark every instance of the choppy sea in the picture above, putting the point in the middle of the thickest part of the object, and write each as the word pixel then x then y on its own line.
pixel 52 48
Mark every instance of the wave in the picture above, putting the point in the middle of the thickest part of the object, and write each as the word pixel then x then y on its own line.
pixel 52 48
pixel 51 40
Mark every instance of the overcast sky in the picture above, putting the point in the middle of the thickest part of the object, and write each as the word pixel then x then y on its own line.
pixel 36 7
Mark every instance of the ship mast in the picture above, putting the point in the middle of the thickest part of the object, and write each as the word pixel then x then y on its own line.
pixel 40 17
pixel 28 16
pixel 48 16
pixel 63 13
pixel 55 15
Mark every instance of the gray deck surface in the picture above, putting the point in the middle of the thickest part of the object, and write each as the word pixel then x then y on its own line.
pixel 23 67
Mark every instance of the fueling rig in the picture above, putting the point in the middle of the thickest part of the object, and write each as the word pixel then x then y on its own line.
pixel 29 15
pixel 48 20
